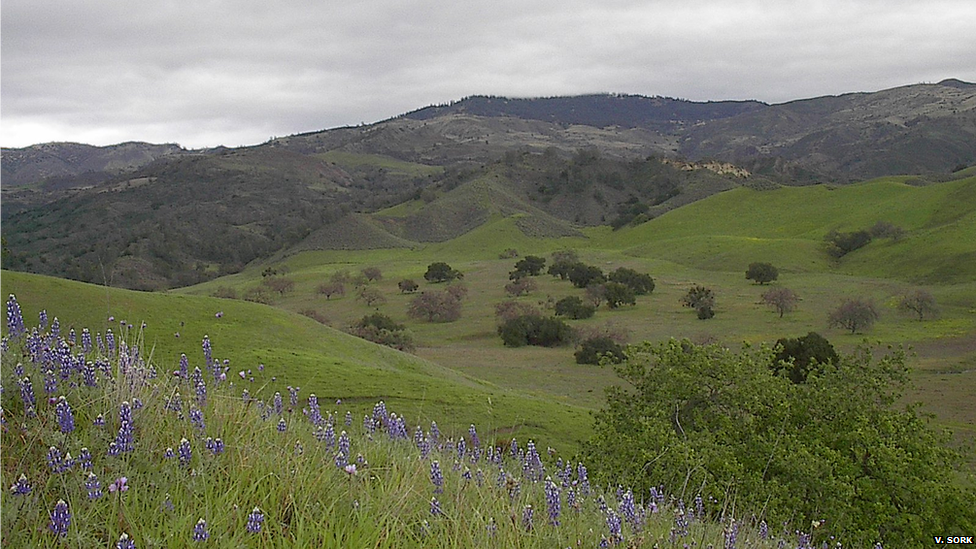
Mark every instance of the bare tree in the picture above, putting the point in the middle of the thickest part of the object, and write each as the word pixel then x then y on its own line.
pixel 279 284
pixel 782 300
pixel 919 302
pixel 372 273
pixel 521 286
pixel 435 307
pixel 371 296
pixel 329 289
pixel 854 315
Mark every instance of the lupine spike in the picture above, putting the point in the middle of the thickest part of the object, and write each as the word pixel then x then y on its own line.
pixel 60 519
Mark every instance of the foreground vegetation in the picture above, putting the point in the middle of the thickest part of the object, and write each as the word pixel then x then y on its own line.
pixel 102 446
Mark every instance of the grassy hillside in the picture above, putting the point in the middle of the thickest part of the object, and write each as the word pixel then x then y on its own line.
pixel 301 352
pixel 786 226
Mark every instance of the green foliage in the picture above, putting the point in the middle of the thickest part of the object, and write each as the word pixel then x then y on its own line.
pixel 530 265
pixel 382 329
pixel 573 307
pixel 582 275
pixel 640 283
pixel 835 449
pixel 840 244
pixel 702 300
pixel 441 272
pixel 618 294
pixel 762 273
pixel 854 314
pixel 798 357
pixel 561 268
pixel 535 330
pixel 595 349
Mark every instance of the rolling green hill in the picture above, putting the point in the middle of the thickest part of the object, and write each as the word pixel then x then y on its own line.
pixel 786 226
pixel 300 352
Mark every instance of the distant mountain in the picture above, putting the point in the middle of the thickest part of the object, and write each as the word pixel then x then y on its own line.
pixel 156 216
pixel 59 162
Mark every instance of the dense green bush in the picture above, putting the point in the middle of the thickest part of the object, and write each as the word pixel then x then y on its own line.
pixel 441 272
pixel 836 450
pixel 840 244
pixel 618 294
pixel 593 349
pixel 582 275
pixel 801 356
pixel 762 272
pixel 534 330
pixel 573 307
pixel 640 283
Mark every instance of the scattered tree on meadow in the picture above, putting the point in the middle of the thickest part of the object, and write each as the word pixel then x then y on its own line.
pixel 457 290
pixel 782 300
pixel 592 350
pixel 560 269
pixel 840 244
pixel 382 329
pixel 582 275
pixel 801 356
pixel 279 284
pixel 331 288
pixel 342 277
pixel 407 286
pixel 886 229
pixel 640 283
pixel 854 315
pixel 435 307
pixel 530 265
pixel 507 310
pixel 573 307
pixel 372 274
pixel 595 294
pixel 520 286
pixel 920 303
pixel 566 255
pixel 535 330
pixel 762 273
pixel 702 300
pixel 441 272
pixel 618 294
pixel 370 295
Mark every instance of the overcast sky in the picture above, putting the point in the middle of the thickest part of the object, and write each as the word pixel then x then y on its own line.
pixel 219 72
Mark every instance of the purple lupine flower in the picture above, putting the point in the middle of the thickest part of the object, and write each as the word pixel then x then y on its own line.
pixel 699 507
pixel 119 485
pixel 293 395
pixel 763 530
pixel 66 420
pixel 200 532
pixel 369 426
pixel 278 406
pixel 730 533
pixel 88 374
pixel 169 453
pixel 27 395
pixel 342 455
pixel 54 459
pixel 93 486
pixel 553 501
pixel 218 446
pixel 282 426
pixel 329 436
pixel 435 507
pixel 72 337
pixel 475 441
pixel 201 391
pixel 21 487
pixel 582 480
pixel 184 371
pixel 254 521
pixel 99 421
pixel 185 453
pixel 461 449
pixel 15 320
pixel 527 517
pixel 196 419
pixel 534 462
pixel 125 542
pixel 50 382
pixel 86 340
pixel 613 525
pixel 60 519
pixel 436 477
pixel 110 341
pixel 207 351
pixel 123 440
pixel 628 509
pixel 435 433
pixel 42 319
pixel 85 459
pixel 348 420
pixel 55 329
pixel 174 403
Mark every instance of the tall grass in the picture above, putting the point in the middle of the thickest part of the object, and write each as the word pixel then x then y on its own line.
pixel 284 460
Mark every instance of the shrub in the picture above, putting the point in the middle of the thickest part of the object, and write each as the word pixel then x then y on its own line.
pixel 582 275
pixel 841 244
pixel 854 315
pixel 560 269
pixel 441 272
pixel 801 356
pixel 407 286
pixel 573 307
pixel 702 300
pixel 534 330
pixel 530 265
pixel 639 283
pixel 762 273
pixel 618 294
pixel 594 349
pixel 886 229
pixel 381 329
pixel 520 286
